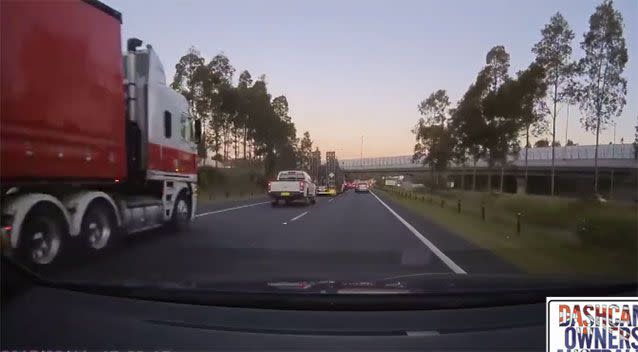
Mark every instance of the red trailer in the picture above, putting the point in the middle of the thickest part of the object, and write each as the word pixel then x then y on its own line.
pixel 93 143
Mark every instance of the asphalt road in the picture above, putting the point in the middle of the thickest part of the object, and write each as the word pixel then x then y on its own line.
pixel 355 236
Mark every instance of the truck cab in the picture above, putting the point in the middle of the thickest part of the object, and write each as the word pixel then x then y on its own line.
pixel 162 133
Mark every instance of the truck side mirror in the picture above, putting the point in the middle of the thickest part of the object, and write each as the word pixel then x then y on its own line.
pixel 133 43
pixel 198 131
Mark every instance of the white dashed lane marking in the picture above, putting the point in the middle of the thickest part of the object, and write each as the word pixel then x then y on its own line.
pixel 229 209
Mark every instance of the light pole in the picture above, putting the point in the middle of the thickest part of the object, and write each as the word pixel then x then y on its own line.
pixel 613 146
pixel 362 149
pixel 566 124
pixel 611 176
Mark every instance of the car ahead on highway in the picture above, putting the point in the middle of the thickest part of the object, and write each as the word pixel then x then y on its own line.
pixel 322 190
pixel 326 191
pixel 292 185
pixel 362 187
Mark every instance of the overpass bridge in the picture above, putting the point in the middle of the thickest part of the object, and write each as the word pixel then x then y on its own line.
pixel 609 156
pixel 573 164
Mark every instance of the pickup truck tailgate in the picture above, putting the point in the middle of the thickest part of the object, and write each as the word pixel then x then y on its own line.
pixel 284 186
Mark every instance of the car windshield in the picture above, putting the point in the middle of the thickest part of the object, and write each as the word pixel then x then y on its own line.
pixel 466 140
pixel 290 176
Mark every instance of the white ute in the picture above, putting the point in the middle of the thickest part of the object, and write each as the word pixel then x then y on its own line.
pixel 292 185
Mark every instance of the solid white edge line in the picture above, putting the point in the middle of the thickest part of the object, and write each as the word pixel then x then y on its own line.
pixel 451 264
pixel 298 216
pixel 229 209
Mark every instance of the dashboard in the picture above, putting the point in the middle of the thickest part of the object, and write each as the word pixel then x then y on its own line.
pixel 48 318
pixel 43 315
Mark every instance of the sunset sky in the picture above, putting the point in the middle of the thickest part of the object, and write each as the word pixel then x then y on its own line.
pixel 359 68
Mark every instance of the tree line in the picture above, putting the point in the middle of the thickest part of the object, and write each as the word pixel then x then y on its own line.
pixel 239 120
pixel 498 110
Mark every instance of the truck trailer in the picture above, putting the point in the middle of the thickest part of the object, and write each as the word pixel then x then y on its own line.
pixel 93 144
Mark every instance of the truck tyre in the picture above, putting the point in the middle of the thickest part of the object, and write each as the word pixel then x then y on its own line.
pixel 313 200
pixel 43 236
pixel 181 217
pixel 275 202
pixel 99 228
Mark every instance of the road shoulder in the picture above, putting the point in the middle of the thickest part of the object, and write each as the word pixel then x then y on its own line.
pixel 469 256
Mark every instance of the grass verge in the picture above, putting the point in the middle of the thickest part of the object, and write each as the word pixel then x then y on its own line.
pixel 219 184
pixel 558 236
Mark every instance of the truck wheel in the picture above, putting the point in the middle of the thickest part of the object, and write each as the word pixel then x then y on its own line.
pixel 43 236
pixel 181 218
pixel 275 202
pixel 313 200
pixel 98 227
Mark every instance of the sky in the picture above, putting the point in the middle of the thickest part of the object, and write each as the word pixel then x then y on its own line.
pixel 353 69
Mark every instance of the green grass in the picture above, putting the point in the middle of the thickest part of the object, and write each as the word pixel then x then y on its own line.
pixel 558 235
pixel 209 197
pixel 216 184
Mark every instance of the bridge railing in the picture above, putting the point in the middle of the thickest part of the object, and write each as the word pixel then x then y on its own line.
pixel 585 152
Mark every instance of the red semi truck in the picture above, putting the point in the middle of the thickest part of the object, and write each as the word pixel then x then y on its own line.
pixel 93 143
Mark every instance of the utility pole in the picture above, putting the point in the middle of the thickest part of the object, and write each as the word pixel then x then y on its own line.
pixel 566 124
pixel 361 148
pixel 613 146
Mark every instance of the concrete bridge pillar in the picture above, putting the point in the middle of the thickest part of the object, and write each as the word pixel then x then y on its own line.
pixel 521 185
